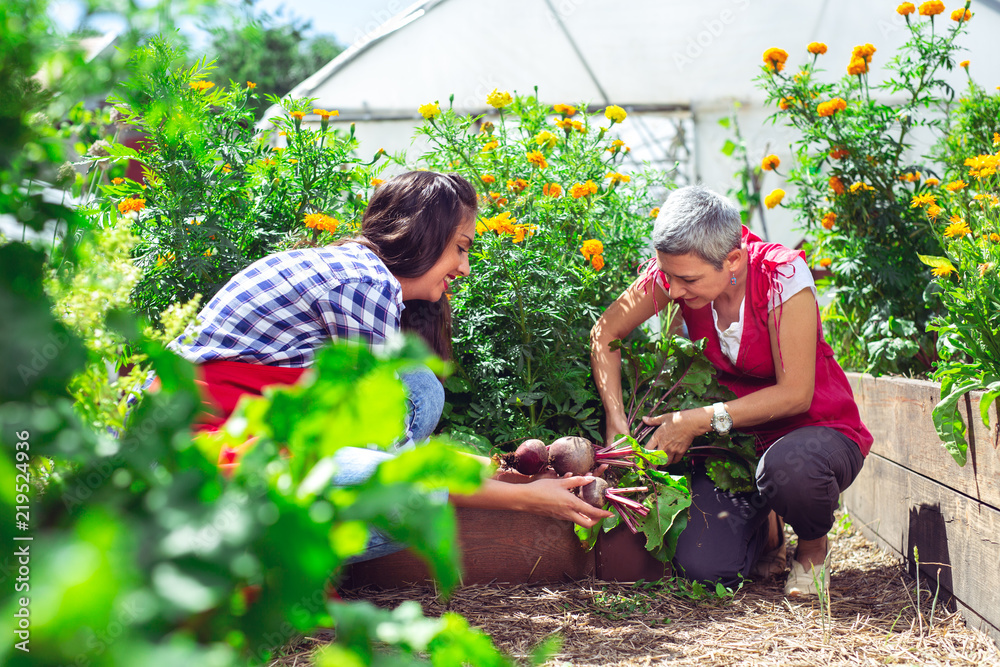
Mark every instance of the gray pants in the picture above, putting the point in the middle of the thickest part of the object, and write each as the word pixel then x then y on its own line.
pixel 801 477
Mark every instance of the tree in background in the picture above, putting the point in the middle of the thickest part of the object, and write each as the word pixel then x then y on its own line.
pixel 249 44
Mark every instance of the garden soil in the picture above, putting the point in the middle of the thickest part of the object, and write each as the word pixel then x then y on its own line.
pixel 872 620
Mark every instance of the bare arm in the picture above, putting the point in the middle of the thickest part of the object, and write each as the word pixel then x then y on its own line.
pixel 791 395
pixel 628 311
pixel 547 497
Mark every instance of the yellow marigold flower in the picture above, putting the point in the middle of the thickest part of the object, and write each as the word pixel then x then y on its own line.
pixel 546 138
pixel 857 67
pixel 931 8
pixel 321 222
pixel 905 8
pixel 498 199
pixel 490 145
pixel 995 237
pixel 825 262
pixel 591 247
pixel 488 178
pixel 429 110
pixel 297 115
pixel 816 48
pixel 960 15
pixel 774 198
pixel 597 261
pixel 992 199
pixel 654 212
pixel 923 200
pixel 964 63
pixel 831 107
pixel 941 271
pixel 117 181
pixel 227 168
pixel 958 229
pixel 553 190
pixel 836 185
pixel 251 85
pixel 501 224
pixel 498 100
pixel 268 162
pixel 933 211
pixel 618 178
pixel 579 190
pixel 615 114
pixel 377 182
pixel 785 102
pixel 131 204
pixel 910 177
pixel 564 109
pixel 201 86
pixel 577 125
pixel 956 218
pixel 324 114
pixel 615 146
pixel 517 186
pixel 774 59
pixel 996 135
pixel 932 181
pixel 522 230
pixel 828 220
pixel 860 186
pixel 536 158
pixel 770 162
pixel 982 166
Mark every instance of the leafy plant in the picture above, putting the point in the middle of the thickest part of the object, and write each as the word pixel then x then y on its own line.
pixel 562 231
pixel 855 177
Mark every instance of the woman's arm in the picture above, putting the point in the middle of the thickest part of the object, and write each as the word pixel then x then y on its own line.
pixel 628 311
pixel 547 497
pixel 795 370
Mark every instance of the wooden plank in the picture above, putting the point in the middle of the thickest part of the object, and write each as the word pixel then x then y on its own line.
pixel 898 413
pixel 906 510
pixel 498 546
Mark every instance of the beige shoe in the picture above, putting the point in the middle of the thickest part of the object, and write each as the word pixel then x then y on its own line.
pixel 803 582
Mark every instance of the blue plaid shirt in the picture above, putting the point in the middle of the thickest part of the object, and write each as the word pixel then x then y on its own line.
pixel 281 308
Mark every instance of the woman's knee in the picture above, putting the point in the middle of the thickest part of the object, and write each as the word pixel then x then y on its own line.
pixel 425 402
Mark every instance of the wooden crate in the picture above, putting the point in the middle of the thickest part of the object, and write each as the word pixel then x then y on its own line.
pixel 911 493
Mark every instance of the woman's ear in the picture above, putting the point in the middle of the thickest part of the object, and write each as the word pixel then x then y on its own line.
pixel 734 260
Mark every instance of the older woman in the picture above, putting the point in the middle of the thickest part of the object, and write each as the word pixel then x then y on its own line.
pixel 755 303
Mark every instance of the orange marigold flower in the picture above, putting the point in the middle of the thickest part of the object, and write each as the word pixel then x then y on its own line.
pixel 770 162
pixel 829 219
pixel 536 158
pixel 982 166
pixel 117 181
pixel 517 186
pixel 774 198
pixel 591 247
pixel 995 237
pixel 785 102
pixel 857 66
pixel 201 86
pixel 377 182
pixel 831 107
pixel 553 190
pixel 565 124
pixel 964 63
pixel 498 99
pixel 579 190
pixel 498 198
pixel 906 8
pixel 321 222
pixel 597 261
pixel 932 181
pixel 923 200
pixel 933 211
pixel 324 114
pixel 616 146
pixel 836 185
pixel 910 177
pixel 251 85
pixel 429 110
pixel 960 15
pixel 564 109
pixel 297 115
pixel 816 48
pixel 774 59
pixel 955 186
pixel 996 135
pixel 956 218
pixel 227 168
pixel 654 212
pixel 931 8
pixel 865 51
pixel 825 262
pixel 958 229
pixel 501 224
pixel 131 204
pixel 941 271
pixel 488 178
pixel 577 125
pixel 839 152
pixel 618 178
pixel 861 186
pixel 522 230
pixel 615 114
pixel 490 145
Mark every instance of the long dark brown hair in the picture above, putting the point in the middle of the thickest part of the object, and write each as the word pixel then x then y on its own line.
pixel 408 223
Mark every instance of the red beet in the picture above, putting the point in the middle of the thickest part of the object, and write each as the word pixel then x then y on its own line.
pixel 530 457
pixel 593 493
pixel 571 454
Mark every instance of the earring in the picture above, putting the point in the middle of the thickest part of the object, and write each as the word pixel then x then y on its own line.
pixel 732 278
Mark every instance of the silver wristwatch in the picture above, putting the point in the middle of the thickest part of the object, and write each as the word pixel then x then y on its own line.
pixel 721 421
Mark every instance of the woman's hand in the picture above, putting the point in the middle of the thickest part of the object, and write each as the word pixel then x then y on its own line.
pixel 554 498
pixel 677 430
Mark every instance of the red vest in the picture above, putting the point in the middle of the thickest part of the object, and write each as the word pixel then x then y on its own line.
pixel 833 401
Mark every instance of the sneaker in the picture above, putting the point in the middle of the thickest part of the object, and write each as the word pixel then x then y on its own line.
pixel 803 582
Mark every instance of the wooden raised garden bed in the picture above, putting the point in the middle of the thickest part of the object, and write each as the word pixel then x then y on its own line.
pixel 911 493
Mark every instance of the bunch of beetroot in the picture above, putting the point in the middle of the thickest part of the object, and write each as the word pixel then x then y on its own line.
pixel 579 456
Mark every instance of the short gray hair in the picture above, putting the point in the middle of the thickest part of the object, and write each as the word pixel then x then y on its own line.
pixel 698 221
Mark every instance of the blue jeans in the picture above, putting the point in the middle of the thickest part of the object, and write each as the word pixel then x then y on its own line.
pixel 424 403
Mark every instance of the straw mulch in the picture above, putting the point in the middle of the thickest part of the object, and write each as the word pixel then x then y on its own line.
pixel 872 620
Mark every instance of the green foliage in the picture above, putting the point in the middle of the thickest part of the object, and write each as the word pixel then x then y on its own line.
pixel 855 176
pixel 217 196
pixel 551 252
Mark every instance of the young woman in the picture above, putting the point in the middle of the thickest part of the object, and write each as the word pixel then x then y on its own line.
pixel 265 325
pixel 755 303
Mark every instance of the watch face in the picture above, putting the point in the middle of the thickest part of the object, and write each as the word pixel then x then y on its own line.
pixel 722 422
